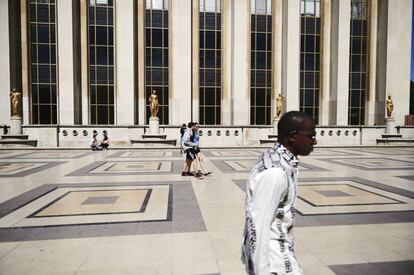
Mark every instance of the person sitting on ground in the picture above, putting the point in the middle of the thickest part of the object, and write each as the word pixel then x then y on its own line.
pixel 195 138
pixel 94 142
pixel 191 155
pixel 105 142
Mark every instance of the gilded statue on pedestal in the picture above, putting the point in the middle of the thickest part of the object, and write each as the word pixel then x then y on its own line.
pixel 153 102
pixel 15 97
pixel 279 105
pixel 390 106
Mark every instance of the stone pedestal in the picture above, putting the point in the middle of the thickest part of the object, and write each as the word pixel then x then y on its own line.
pixel 154 125
pixel 15 125
pixel 390 126
pixel 275 123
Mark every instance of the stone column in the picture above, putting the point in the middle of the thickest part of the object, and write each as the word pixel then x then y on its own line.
pixel 180 65
pixel 324 111
pixel 65 62
pixel 339 92
pixel 25 61
pixel 226 61
pixel 4 63
pixel 291 53
pixel 125 61
pixel 398 48
pixel 241 54
pixel 372 102
pixel 277 45
pixel 381 65
pixel 277 31
pixel 84 60
pixel 196 60
pixel 141 62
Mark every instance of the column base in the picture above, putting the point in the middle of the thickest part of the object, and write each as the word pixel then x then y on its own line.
pixel 275 123
pixel 15 125
pixel 154 125
pixel 390 126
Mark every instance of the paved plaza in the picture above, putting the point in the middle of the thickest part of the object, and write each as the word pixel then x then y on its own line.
pixel 131 212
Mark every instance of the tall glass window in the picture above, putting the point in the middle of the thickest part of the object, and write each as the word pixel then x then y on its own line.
pixel 310 34
pixel 42 37
pixel 261 62
pixel 358 62
pixel 101 61
pixel 210 62
pixel 156 53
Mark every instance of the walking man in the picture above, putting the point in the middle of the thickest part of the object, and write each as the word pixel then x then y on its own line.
pixel 267 246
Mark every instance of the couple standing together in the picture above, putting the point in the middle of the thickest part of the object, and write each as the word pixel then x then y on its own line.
pixel 191 147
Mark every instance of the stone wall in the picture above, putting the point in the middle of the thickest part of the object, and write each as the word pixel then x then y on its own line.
pixel 218 136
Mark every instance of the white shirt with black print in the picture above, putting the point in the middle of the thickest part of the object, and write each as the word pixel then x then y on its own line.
pixel 267 246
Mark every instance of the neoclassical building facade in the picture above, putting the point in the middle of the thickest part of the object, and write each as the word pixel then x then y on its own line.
pixel 219 62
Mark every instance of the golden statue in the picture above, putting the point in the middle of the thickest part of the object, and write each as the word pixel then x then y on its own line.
pixel 153 101
pixel 390 106
pixel 279 105
pixel 15 97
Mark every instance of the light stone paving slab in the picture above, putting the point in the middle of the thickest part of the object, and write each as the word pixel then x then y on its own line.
pixel 207 215
pixel 51 214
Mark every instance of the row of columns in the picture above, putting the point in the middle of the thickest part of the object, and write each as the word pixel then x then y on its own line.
pixel 389 47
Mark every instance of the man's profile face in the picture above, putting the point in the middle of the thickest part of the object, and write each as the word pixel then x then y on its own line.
pixel 304 139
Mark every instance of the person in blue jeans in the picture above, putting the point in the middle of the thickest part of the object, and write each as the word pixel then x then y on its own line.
pixel 195 138
pixel 189 148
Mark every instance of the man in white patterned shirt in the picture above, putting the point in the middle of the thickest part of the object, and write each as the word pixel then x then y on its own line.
pixel 267 246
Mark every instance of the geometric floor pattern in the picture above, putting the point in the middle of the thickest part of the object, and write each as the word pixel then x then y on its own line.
pixel 131 211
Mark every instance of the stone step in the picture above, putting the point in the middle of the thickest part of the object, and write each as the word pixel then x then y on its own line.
pixel 13 142
pixel 391 136
pixel 160 136
pixel 396 141
pixel 154 141
pixel 262 141
pixel 15 137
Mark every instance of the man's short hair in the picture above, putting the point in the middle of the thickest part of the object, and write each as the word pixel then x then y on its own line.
pixel 290 122
pixel 190 124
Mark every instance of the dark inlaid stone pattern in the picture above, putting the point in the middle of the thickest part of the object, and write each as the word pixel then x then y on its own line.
pixel 101 200
pixel 389 268
pixel 333 193
pixel 184 213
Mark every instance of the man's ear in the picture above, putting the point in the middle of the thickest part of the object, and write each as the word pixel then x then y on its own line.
pixel 291 136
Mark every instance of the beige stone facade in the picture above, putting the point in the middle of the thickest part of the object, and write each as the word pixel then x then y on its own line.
pixel 388 67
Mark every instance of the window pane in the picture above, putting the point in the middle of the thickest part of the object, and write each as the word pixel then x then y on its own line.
pixel 156 57
pixel 261 23
pixel 261 41
pixel 45 114
pixel 210 59
pixel 42 13
pixel 101 35
pixel 101 16
pixel 156 37
pixel 210 21
pixel 101 55
pixel 43 54
pixel 102 113
pixel 210 42
pixel 260 60
pixel 156 19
